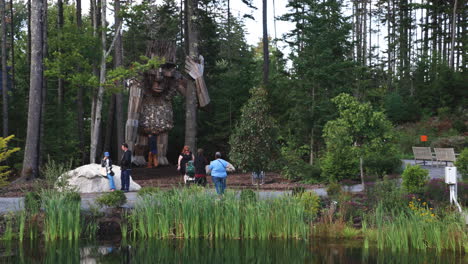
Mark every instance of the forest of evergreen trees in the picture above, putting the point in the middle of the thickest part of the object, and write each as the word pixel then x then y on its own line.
pixel 61 95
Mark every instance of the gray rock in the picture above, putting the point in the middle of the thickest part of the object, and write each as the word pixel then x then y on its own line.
pixel 91 179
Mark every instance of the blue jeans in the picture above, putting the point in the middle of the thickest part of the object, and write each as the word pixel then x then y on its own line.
pixel 125 179
pixel 220 184
pixel 111 181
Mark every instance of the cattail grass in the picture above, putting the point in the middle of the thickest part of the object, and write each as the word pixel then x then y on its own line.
pixel 195 213
pixel 407 229
pixel 62 216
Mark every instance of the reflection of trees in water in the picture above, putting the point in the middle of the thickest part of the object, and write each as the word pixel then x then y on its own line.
pixel 216 251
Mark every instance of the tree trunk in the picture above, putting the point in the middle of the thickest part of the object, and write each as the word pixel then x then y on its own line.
pixel 100 94
pixel 60 23
pixel 44 81
pixel 31 151
pixel 361 170
pixel 266 57
pixel 79 21
pixel 29 32
pixel 191 45
pixel 118 61
pixel 4 69
pixel 110 124
pixel 454 19
pixel 79 99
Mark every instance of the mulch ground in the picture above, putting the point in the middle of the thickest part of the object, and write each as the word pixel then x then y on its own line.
pixel 168 177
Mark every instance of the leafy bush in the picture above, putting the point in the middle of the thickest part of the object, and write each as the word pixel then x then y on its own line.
pixel 53 171
pixel 414 179
pixel 311 203
pixel 382 162
pixel 112 199
pixel 148 190
pixel 32 202
pixel 339 165
pixel 334 189
pixel 462 164
pixel 386 193
pixel 253 139
pixel 400 111
pixel 72 196
pixel 4 154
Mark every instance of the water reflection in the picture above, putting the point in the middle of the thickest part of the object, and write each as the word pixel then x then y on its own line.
pixel 215 251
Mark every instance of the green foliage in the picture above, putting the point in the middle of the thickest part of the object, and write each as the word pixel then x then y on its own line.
pixel 387 194
pixel 62 215
pixel 334 189
pixel 183 213
pixel 339 165
pixel 436 191
pixel 32 202
pixel 398 110
pixel 411 229
pixel 359 131
pixel 55 173
pixel 311 203
pixel 5 153
pixel 148 190
pixel 414 178
pixel 294 167
pixel 112 199
pixel 462 164
pixel 248 196
pixel 253 139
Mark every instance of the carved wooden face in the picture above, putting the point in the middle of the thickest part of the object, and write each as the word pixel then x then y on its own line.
pixel 161 80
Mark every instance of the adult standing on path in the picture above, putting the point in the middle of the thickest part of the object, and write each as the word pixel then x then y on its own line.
pixel 126 167
pixel 184 157
pixel 107 163
pixel 153 151
pixel 218 168
pixel 200 168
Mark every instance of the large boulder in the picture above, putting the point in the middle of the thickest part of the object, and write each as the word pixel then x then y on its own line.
pixel 90 179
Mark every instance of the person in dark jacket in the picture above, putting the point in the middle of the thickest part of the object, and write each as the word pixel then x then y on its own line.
pixel 153 151
pixel 184 157
pixel 200 168
pixel 126 167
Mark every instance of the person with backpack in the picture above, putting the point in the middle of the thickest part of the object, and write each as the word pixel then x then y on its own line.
pixel 200 168
pixel 107 164
pixel 218 168
pixel 184 157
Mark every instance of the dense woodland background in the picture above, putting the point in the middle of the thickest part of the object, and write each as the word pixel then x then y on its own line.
pixel 405 58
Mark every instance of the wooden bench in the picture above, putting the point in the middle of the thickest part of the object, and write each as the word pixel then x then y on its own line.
pixel 444 154
pixel 423 153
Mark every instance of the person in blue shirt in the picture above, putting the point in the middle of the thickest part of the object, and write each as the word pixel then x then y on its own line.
pixel 219 173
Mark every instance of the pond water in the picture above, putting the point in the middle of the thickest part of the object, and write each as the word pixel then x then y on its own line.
pixel 214 251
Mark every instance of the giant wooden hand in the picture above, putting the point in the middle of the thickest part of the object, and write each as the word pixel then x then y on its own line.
pixel 195 70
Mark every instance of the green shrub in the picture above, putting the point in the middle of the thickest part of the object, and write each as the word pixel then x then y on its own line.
pixel 414 179
pixel 32 202
pixel 72 196
pixel 382 162
pixel 311 203
pixel 298 190
pixel 339 165
pixel 334 189
pixel 248 196
pixel 148 191
pixel 386 193
pixel 112 199
pixel 462 164
pixel 4 154
pixel 294 167
pixel 53 170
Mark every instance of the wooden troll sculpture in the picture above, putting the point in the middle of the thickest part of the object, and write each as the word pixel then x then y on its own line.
pixel 150 103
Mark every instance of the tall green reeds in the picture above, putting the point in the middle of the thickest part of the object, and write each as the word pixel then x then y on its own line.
pixel 194 213
pixel 62 216
pixel 409 229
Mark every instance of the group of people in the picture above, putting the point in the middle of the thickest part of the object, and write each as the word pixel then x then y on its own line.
pixel 125 169
pixel 217 168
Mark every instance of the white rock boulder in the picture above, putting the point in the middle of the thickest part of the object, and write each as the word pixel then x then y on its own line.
pixel 90 179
